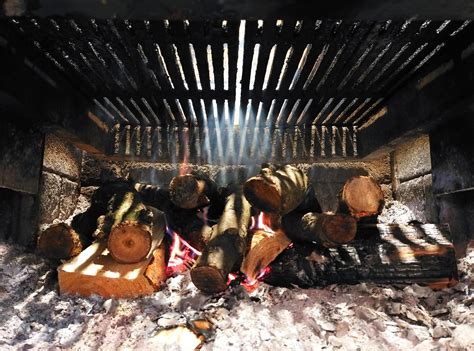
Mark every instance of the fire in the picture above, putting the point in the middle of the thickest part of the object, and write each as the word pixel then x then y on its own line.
pixel 182 254
pixel 261 222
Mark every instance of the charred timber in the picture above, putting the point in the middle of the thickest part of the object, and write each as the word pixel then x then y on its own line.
pixel 227 247
pixel 277 189
pixel 389 254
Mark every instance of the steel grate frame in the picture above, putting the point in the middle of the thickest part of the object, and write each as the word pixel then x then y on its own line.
pixel 228 79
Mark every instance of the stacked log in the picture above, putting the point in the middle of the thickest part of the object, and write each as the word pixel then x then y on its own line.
pixel 226 249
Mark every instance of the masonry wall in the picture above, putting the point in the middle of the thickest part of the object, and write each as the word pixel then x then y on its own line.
pixel 412 178
pixel 60 180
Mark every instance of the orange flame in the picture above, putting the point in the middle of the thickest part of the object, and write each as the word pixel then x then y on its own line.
pixel 261 222
pixel 182 255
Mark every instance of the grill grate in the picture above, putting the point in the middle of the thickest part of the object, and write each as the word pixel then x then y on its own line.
pixel 229 76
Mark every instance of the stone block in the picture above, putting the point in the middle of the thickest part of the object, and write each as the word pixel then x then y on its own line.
pixel 68 199
pixel 50 193
pixel 416 194
pixel 62 158
pixel 412 159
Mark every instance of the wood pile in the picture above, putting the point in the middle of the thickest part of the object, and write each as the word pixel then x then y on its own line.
pixel 270 228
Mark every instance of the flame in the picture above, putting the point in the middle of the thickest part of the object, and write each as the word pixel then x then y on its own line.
pixel 261 222
pixel 182 254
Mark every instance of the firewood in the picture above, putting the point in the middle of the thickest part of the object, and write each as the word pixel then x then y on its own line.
pixel 384 254
pixel 264 248
pixel 154 196
pixel 328 230
pixel 94 271
pixel 277 189
pixel 361 197
pixel 60 241
pixel 225 250
pixel 131 240
pixel 192 190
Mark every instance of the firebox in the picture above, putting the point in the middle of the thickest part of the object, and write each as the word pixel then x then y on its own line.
pixel 238 143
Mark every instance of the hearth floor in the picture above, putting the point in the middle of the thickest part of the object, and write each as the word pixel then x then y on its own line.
pixel 364 316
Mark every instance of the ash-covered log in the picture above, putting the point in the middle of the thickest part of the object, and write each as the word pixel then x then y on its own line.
pixel 385 254
pixel 328 230
pixel 277 189
pixel 226 249
pixel 360 197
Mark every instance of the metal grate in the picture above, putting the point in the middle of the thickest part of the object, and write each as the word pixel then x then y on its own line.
pixel 255 77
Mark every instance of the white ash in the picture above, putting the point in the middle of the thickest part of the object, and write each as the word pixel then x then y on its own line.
pixel 395 212
pixel 363 316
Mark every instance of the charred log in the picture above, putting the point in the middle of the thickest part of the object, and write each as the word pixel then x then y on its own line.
pixel 391 254
pixel 193 190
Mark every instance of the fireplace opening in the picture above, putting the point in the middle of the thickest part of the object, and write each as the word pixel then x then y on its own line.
pixel 236 175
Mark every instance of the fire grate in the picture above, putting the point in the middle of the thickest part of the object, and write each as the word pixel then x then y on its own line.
pixel 228 79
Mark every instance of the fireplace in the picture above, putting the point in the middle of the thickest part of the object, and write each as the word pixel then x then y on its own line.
pixel 241 150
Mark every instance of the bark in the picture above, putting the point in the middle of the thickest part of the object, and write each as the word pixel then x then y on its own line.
pixel 226 249
pixel 277 189
pixel 192 190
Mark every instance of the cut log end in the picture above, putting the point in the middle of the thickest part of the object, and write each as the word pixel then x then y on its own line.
pixel 129 242
pixel 338 229
pixel 263 194
pixel 265 247
pixel 208 279
pixel 59 241
pixel 186 191
pixel 362 196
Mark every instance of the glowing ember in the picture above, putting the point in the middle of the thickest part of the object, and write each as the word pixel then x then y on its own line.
pixel 261 222
pixel 182 254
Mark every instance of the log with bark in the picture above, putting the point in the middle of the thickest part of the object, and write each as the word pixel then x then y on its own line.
pixel 225 251
pixel 277 189
pixel 63 241
pixel 193 190
pixel 328 230
pixel 385 254
pixel 361 197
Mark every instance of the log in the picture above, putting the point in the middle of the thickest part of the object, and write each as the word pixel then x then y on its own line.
pixel 192 190
pixel 264 248
pixel 382 254
pixel 60 241
pixel 328 230
pixel 361 197
pixel 131 240
pixel 154 196
pixel 277 189
pixel 226 249
pixel 94 271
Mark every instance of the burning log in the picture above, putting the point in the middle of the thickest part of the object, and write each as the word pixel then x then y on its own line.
pixel 264 248
pixel 328 230
pixel 361 197
pixel 154 196
pixel 226 248
pixel 384 254
pixel 192 190
pixel 277 189
pixel 131 240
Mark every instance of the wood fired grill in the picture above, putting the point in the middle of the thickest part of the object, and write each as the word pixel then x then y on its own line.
pixel 230 92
